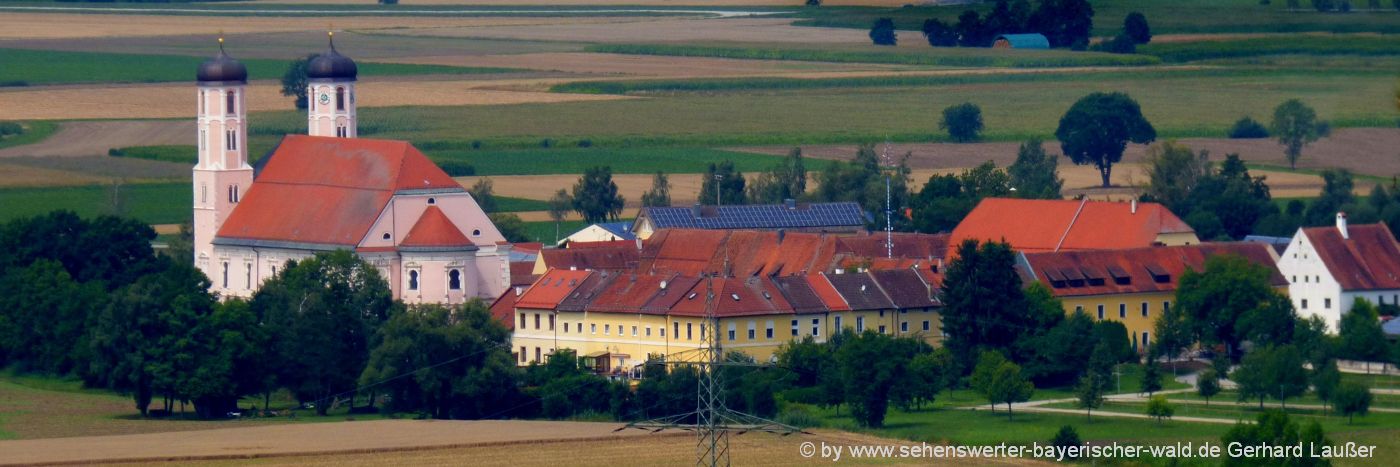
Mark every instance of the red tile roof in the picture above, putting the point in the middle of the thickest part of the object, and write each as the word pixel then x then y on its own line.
pixel 328 191
pixel 1136 270
pixel 734 297
pixel 906 245
pixel 503 308
pixel 434 229
pixel 906 288
pixel 739 253
pixel 528 248
pixel 1368 260
pixel 610 258
pixel 860 291
pixel 551 289
pixel 1031 225
pixel 605 244
pixel 630 293
pixel 827 292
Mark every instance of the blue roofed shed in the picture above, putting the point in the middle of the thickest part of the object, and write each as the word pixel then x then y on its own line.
pixel 1021 41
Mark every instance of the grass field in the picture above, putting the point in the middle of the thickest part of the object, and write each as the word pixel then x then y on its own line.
pixel 36 67
pixel 944 56
pixel 186 154
pixel 1350 45
pixel 1178 16
pixel 623 160
pixel 34 132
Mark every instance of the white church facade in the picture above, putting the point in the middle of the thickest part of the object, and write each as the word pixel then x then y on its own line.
pixel 329 190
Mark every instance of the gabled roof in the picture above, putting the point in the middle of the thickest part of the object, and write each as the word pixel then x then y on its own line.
pixel 503 308
pixel 798 293
pixel 435 231
pixel 607 258
pixel 734 297
pixel 906 245
pixel 757 216
pixel 630 293
pixel 905 288
pixel 579 299
pixel 737 252
pixel 860 291
pixel 552 288
pixel 1034 225
pixel 1368 260
pixel 1026 41
pixel 1135 270
pixel 522 273
pixel 622 230
pixel 827 292
pixel 327 192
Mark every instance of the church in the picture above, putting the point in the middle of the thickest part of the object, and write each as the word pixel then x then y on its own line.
pixel 330 190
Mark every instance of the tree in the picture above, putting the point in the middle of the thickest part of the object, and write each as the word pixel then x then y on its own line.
pixel 1361 335
pixel 1159 408
pixel 322 313
pixel 882 32
pixel 1067 439
pixel 962 121
pixel 1172 334
pixel 660 192
pixel 939 34
pixel 1097 128
pixel 1352 399
pixel 1296 125
pixel 1324 5
pixel 510 226
pixel 1251 377
pixel 784 181
pixel 871 364
pixel 561 203
pixel 595 195
pixel 814 3
pixel 971 32
pixel 729 182
pixel 984 304
pixel 1218 300
pixel 1151 378
pixel 1136 28
pixel 1089 393
pixel 1326 378
pixel 927 375
pixel 1001 381
pixel 482 191
pixel 231 359
pixel 1336 194
pixel 1208 384
pixel 294 81
pixel 1285 373
pixel 1273 428
pixel 1173 173
pixel 1065 23
pixel 1248 128
pixel 1035 175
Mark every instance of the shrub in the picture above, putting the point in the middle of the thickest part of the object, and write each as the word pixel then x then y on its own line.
pixel 1120 44
pixel 814 2
pixel 1159 408
pixel 585 143
pixel 1135 27
pixel 476 144
pixel 116 152
pixel 546 143
pixel 1067 438
pixel 963 122
pixel 10 129
pixel 1323 5
pixel 1248 128
pixel 882 32
pixel 1344 6
pixel 457 168
pixel 799 416
pixel 939 34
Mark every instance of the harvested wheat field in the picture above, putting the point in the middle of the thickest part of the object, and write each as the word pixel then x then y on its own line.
pixel 757 449
pixel 63 25
pixel 301 438
pixel 94 138
pixel 640 65
pixel 174 100
pixel 659 30
pixel 14 175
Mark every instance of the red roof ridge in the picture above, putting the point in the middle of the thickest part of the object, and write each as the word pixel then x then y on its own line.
pixel 434 229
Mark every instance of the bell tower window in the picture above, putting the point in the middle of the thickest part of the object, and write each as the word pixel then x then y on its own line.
pixel 454 280
pixel 413 280
pixel 339 98
pixel 231 140
pixel 232 104
pixel 202 100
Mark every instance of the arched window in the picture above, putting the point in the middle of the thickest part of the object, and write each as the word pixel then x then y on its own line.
pixel 202 98
pixel 413 280
pixel 454 279
pixel 339 98
pixel 225 274
pixel 232 104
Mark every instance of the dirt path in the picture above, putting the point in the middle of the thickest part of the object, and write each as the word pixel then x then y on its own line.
pixel 301 438
pixel 95 138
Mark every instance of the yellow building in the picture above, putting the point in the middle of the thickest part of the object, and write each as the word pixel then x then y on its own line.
pixel 1132 286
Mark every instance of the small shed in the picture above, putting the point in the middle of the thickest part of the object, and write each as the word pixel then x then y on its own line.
pixel 1021 41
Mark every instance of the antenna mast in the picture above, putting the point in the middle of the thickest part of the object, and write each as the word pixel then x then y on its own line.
pixel 889 224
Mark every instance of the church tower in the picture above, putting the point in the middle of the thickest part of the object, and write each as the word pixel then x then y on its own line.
pixel 330 82
pixel 222 174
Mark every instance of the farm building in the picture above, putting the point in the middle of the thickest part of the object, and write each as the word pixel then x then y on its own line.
pixel 1033 225
pixel 1329 268
pixel 1021 41
pixel 328 191
pixel 844 217
pixel 600 232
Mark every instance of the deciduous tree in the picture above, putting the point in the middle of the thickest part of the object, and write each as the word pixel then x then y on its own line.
pixel 595 196
pixel 962 121
pixel 660 192
pixel 1035 175
pixel 1097 128
pixel 1296 125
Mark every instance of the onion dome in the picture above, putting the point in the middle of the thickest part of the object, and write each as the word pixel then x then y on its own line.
pixel 222 68
pixel 331 65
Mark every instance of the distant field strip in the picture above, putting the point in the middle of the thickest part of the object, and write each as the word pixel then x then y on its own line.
pixel 34 67
pixel 946 56
pixel 1360 45
pixel 622 160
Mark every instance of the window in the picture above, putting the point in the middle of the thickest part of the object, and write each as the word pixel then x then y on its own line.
pixel 232 103
pixel 201 102
pixel 1100 312
pixel 522 354
pixel 1144 339
pixel 225 274
pixel 551 322
pixel 412 280
pixel 731 331
pixel 702 331
pixel 387 236
pixel 1327 304
pixel 1144 309
pixel 838 323
pixel 688 334
pixel 769 332
pixel 1305 279
pixel 751 330
pixel 248 278
pixel 593 328
pixel 341 132
pixel 662 330
pixel 537 320
pixel 1079 308
pixel 794 328
pixel 566 328
pixel 648 331
pixel 860 324
pixel 816 327
pixel 882 329
pixel 607 328
pixel 925 325
pixel 1295 279
pixel 537 354
pixel 339 98
pixel 432 201
pixel 1166 306
pixel 476 232
pixel 231 140
pixel 1305 304
pixel 522 321
pixel 677 331
pixel 454 279
pixel 1122 310
pixel 904 326
pixel 634 331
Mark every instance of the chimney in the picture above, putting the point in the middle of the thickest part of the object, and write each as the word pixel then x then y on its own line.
pixel 1133 206
pixel 1342 224
pixel 781 233
pixel 695 210
pixel 790 203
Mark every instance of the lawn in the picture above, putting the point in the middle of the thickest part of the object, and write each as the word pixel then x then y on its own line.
pixel 1230 398
pixel 184 154
pixel 1376 381
pixel 983 427
pixel 1330 423
pixel 36 67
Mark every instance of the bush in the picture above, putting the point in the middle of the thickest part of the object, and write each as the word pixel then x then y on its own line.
pixel 939 34
pixel 1159 408
pixel 1344 6
pixel 10 129
pixel 1248 128
pixel 963 122
pixel 1120 44
pixel 457 168
pixel 799 416
pixel 1135 27
pixel 546 143
pixel 1323 5
pixel 1067 438
pixel 116 152
pixel 585 143
pixel 882 32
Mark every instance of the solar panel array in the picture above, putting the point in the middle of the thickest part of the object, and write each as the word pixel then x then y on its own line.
pixel 762 216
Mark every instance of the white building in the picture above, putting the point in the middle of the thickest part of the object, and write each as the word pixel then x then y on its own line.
pixel 329 190
pixel 1328 268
